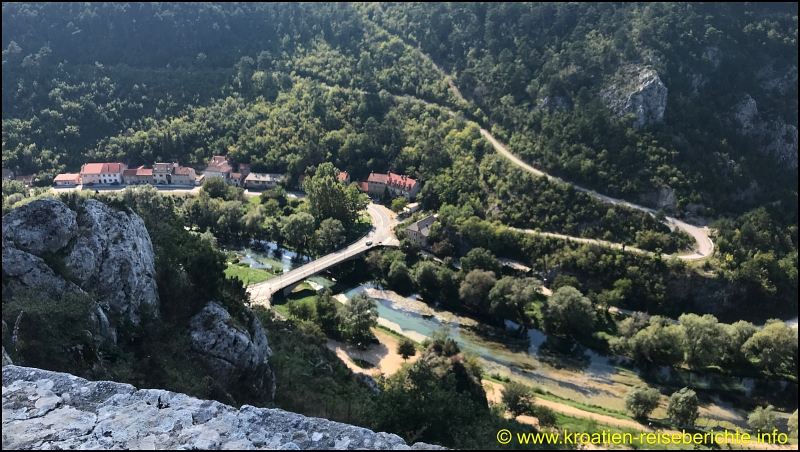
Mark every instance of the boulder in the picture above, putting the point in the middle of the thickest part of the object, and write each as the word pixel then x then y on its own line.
pixel 51 410
pixel 236 350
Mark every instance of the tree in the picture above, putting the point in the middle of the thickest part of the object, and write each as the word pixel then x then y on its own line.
pixel 330 235
pixel 406 348
pixel 774 348
pixel 518 398
pixel 510 296
pixel 641 401
pixel 329 198
pixel 215 187
pixel 568 313
pixel 399 203
pixel 253 221
pixel 659 343
pixel 762 419
pixel 475 288
pixel 683 407
pixel 736 335
pixel 327 312
pixel 358 315
pixel 426 277
pixel 565 281
pixel 701 339
pixel 480 259
pixel 302 311
pixel 399 277
pixel 297 229
pixel 545 415
pixel 11 187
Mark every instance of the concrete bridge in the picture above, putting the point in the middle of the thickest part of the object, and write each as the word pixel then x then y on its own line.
pixel 381 234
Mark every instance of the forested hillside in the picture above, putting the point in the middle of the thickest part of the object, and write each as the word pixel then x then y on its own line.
pixel 689 107
pixel 546 73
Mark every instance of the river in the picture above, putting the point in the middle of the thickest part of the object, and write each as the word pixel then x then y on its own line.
pixel 557 365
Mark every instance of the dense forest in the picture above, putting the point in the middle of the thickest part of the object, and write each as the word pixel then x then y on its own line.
pixel 539 70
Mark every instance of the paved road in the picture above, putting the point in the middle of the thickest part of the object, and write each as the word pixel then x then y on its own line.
pixel 177 189
pixel 381 234
pixel 704 248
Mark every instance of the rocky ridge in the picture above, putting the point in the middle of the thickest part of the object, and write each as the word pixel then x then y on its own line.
pixel 93 250
pixel 51 410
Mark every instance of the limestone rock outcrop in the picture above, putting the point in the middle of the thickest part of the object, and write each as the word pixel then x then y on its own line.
pixel 642 93
pixel 776 137
pixel 94 249
pixel 51 410
pixel 236 350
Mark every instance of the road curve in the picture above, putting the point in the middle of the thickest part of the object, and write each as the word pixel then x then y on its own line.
pixel 380 234
pixel 704 248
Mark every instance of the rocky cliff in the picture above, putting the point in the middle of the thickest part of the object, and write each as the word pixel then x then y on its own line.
pixel 776 137
pixel 94 250
pixel 50 410
pixel 639 91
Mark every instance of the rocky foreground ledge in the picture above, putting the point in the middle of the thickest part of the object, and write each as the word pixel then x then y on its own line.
pixel 52 410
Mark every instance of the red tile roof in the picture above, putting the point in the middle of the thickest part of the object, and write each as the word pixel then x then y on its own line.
pixel 142 171
pixel 68 177
pixel 342 175
pixel 362 185
pixel 102 168
pixel 236 175
pixel 126 173
pixel 393 180
pixel 219 169
pixel 218 160
pixel 183 170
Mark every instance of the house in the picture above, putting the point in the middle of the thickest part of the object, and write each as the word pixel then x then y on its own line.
pixel 67 180
pixel 8 174
pixel 344 177
pixel 411 208
pixel 102 173
pixel 398 185
pixel 262 181
pixel 236 179
pixel 25 180
pixel 418 232
pixel 219 167
pixel 199 180
pixel 183 175
pixel 163 172
pixel 139 176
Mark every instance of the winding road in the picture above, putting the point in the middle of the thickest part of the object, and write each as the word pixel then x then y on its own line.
pixel 704 248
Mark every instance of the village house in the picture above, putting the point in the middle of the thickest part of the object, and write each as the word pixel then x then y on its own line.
pixel 218 167
pixel 137 176
pixel 420 231
pixel 183 175
pixel 397 184
pixel 163 172
pixel 344 177
pixel 67 180
pixel 25 180
pixel 411 208
pixel 262 181
pixel 102 173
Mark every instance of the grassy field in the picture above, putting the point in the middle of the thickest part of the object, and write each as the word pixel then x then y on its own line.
pixel 247 275
pixel 303 294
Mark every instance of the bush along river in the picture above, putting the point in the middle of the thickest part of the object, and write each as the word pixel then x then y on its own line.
pixel 562 367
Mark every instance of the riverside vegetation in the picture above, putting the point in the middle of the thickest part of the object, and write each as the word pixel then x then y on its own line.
pixel 303 89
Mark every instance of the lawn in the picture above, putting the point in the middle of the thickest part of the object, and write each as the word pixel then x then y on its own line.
pixel 247 275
